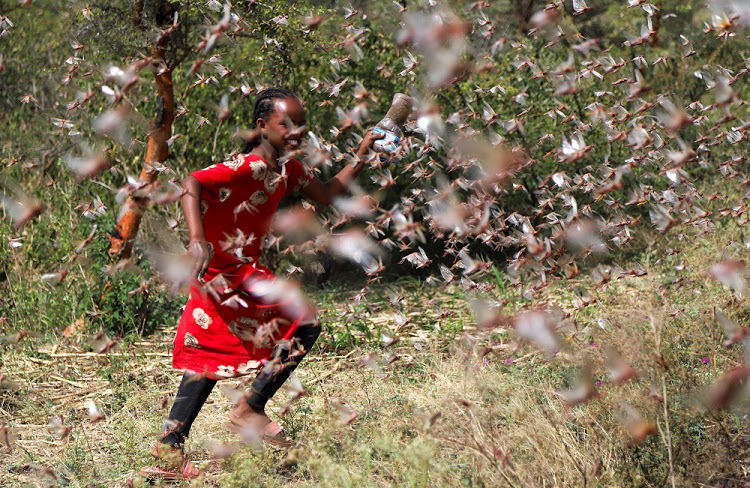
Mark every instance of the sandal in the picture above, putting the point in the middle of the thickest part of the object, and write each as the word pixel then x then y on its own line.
pixel 176 457
pixel 272 433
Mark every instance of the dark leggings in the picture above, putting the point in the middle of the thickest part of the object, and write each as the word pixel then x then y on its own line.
pixel 192 393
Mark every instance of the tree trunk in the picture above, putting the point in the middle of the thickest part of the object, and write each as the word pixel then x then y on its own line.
pixel 656 25
pixel 126 230
pixel 524 10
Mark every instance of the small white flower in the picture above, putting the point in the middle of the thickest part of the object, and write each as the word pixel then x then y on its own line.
pixel 225 371
pixel 306 177
pixel 204 206
pixel 258 198
pixel 191 341
pixel 248 367
pixel 271 184
pixel 235 163
pixel 224 194
pixel 259 169
pixel 201 318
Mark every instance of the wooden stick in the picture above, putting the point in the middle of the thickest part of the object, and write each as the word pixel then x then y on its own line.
pixel 331 371
pixel 96 354
pixel 41 361
pixel 67 395
pixel 74 383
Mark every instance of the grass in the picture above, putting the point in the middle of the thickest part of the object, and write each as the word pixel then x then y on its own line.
pixel 459 407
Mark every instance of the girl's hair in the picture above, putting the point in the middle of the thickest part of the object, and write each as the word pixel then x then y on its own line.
pixel 265 105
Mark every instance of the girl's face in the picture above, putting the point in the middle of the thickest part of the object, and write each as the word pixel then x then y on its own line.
pixel 282 128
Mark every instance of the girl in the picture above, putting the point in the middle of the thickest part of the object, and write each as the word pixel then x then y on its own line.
pixel 232 324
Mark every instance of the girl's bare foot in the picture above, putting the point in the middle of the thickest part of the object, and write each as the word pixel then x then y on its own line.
pixel 245 415
pixel 176 458
pixel 254 425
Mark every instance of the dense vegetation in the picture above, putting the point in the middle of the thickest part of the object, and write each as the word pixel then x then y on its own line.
pixel 570 200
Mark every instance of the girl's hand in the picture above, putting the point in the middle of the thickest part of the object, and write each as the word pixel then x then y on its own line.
pixel 198 251
pixel 368 141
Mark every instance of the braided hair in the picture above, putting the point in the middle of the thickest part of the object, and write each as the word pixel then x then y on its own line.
pixel 265 105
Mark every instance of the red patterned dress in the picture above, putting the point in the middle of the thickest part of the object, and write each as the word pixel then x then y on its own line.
pixel 230 325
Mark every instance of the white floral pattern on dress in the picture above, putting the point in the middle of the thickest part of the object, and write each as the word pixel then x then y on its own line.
pixel 258 198
pixel 248 367
pixel 225 371
pixel 304 179
pixel 235 163
pixel 202 318
pixel 224 194
pixel 191 341
pixel 272 183
pixel 204 206
pixel 259 169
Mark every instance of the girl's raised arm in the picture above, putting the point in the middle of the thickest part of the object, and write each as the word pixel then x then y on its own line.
pixel 191 205
pixel 326 193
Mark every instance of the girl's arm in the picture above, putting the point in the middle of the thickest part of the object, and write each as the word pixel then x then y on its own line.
pixel 191 205
pixel 326 193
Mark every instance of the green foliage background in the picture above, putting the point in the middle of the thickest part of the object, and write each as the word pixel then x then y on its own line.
pixel 37 53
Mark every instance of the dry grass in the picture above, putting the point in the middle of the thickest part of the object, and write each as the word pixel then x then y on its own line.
pixel 449 412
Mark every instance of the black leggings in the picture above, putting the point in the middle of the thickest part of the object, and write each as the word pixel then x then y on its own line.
pixel 192 393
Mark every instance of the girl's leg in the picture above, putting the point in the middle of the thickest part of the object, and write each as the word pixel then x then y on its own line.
pixel 266 384
pixel 191 395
